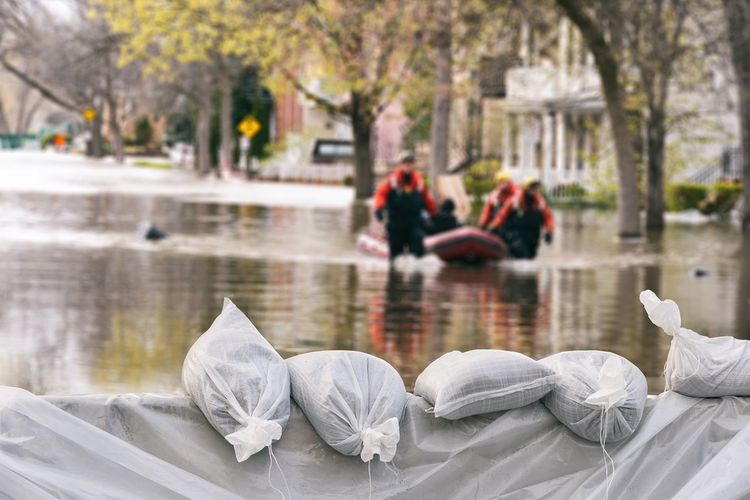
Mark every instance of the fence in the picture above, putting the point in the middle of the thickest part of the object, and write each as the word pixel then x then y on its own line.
pixel 328 174
pixel 19 141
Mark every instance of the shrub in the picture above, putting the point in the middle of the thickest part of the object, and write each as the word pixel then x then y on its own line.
pixel 685 196
pixel 143 131
pixel 477 188
pixel 722 198
pixel 479 177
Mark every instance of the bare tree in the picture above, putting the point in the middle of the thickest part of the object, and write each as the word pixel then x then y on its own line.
pixel 367 49
pixel 653 32
pixel 609 68
pixel 72 63
pixel 441 107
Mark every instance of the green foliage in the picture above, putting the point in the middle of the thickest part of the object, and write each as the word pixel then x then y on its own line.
pixel 419 111
pixel 157 165
pixel 48 139
pixel 251 97
pixel 685 196
pixel 143 131
pixel 721 199
pixel 477 188
pixel 180 128
pixel 479 178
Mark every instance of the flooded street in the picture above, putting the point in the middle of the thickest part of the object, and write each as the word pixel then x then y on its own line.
pixel 87 306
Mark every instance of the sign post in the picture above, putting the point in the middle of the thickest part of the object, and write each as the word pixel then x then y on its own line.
pixel 89 114
pixel 249 127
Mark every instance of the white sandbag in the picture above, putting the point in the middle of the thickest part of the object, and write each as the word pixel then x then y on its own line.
pixel 600 396
pixel 699 366
pixel 352 399
pixel 239 382
pixel 461 384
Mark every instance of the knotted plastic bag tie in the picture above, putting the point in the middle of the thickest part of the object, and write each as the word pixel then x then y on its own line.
pixel 253 437
pixel 381 439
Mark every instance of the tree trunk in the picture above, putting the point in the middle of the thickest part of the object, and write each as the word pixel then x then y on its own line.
pixel 22 101
pixel 362 123
pixel 737 13
pixel 203 134
pixel 441 109
pixel 115 130
pixel 628 217
pixel 225 119
pixel 656 132
pixel 31 113
pixel 96 146
pixel 3 121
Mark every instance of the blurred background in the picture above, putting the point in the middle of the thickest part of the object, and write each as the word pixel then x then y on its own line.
pixel 254 133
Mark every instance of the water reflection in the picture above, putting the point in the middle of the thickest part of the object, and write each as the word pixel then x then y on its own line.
pixel 87 307
pixel 399 323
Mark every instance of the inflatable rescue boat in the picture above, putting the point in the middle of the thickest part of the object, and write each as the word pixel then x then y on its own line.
pixel 464 244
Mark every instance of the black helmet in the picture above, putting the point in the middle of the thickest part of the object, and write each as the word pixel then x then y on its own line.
pixel 447 206
pixel 407 158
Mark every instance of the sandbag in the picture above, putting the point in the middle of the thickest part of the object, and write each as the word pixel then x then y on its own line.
pixel 699 366
pixel 353 400
pixel 600 396
pixel 461 384
pixel 239 382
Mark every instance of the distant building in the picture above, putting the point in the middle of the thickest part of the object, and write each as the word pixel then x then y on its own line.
pixel 549 120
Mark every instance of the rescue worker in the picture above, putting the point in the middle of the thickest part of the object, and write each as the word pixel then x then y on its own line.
pixel 504 191
pixel 521 218
pixel 444 219
pixel 402 196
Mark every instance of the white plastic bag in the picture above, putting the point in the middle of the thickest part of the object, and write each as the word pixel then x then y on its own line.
pixel 352 399
pixel 699 366
pixel 239 382
pixel 460 384
pixel 600 396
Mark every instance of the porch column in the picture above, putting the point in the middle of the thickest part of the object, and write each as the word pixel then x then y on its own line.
pixel 560 140
pixel 507 153
pixel 548 137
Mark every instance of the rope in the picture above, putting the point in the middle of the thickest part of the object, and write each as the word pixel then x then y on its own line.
pixel 273 460
pixel 606 456
pixel 393 469
pixel 369 479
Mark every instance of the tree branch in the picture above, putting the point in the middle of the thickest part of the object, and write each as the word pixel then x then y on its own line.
pixel 324 103
pixel 41 88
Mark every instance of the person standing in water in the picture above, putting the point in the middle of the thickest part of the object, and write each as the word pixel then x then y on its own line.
pixel 402 197
pixel 504 191
pixel 521 218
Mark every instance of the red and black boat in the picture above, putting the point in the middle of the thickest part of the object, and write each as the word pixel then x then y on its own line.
pixel 463 244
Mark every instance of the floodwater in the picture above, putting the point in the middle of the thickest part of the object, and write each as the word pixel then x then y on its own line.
pixel 89 307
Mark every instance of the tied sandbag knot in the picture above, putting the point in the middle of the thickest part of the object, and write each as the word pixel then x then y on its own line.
pixel 612 386
pixel 381 439
pixel 253 437
pixel 611 394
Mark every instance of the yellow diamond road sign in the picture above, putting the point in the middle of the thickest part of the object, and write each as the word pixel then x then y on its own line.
pixel 249 126
pixel 89 114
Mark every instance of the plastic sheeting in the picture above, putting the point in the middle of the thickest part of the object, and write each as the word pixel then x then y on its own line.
pixel 685 447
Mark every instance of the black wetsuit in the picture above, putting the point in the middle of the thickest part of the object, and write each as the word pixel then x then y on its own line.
pixel 404 226
pixel 441 222
pixel 522 229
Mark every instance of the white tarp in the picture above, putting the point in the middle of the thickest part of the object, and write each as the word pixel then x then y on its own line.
pixel 684 448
